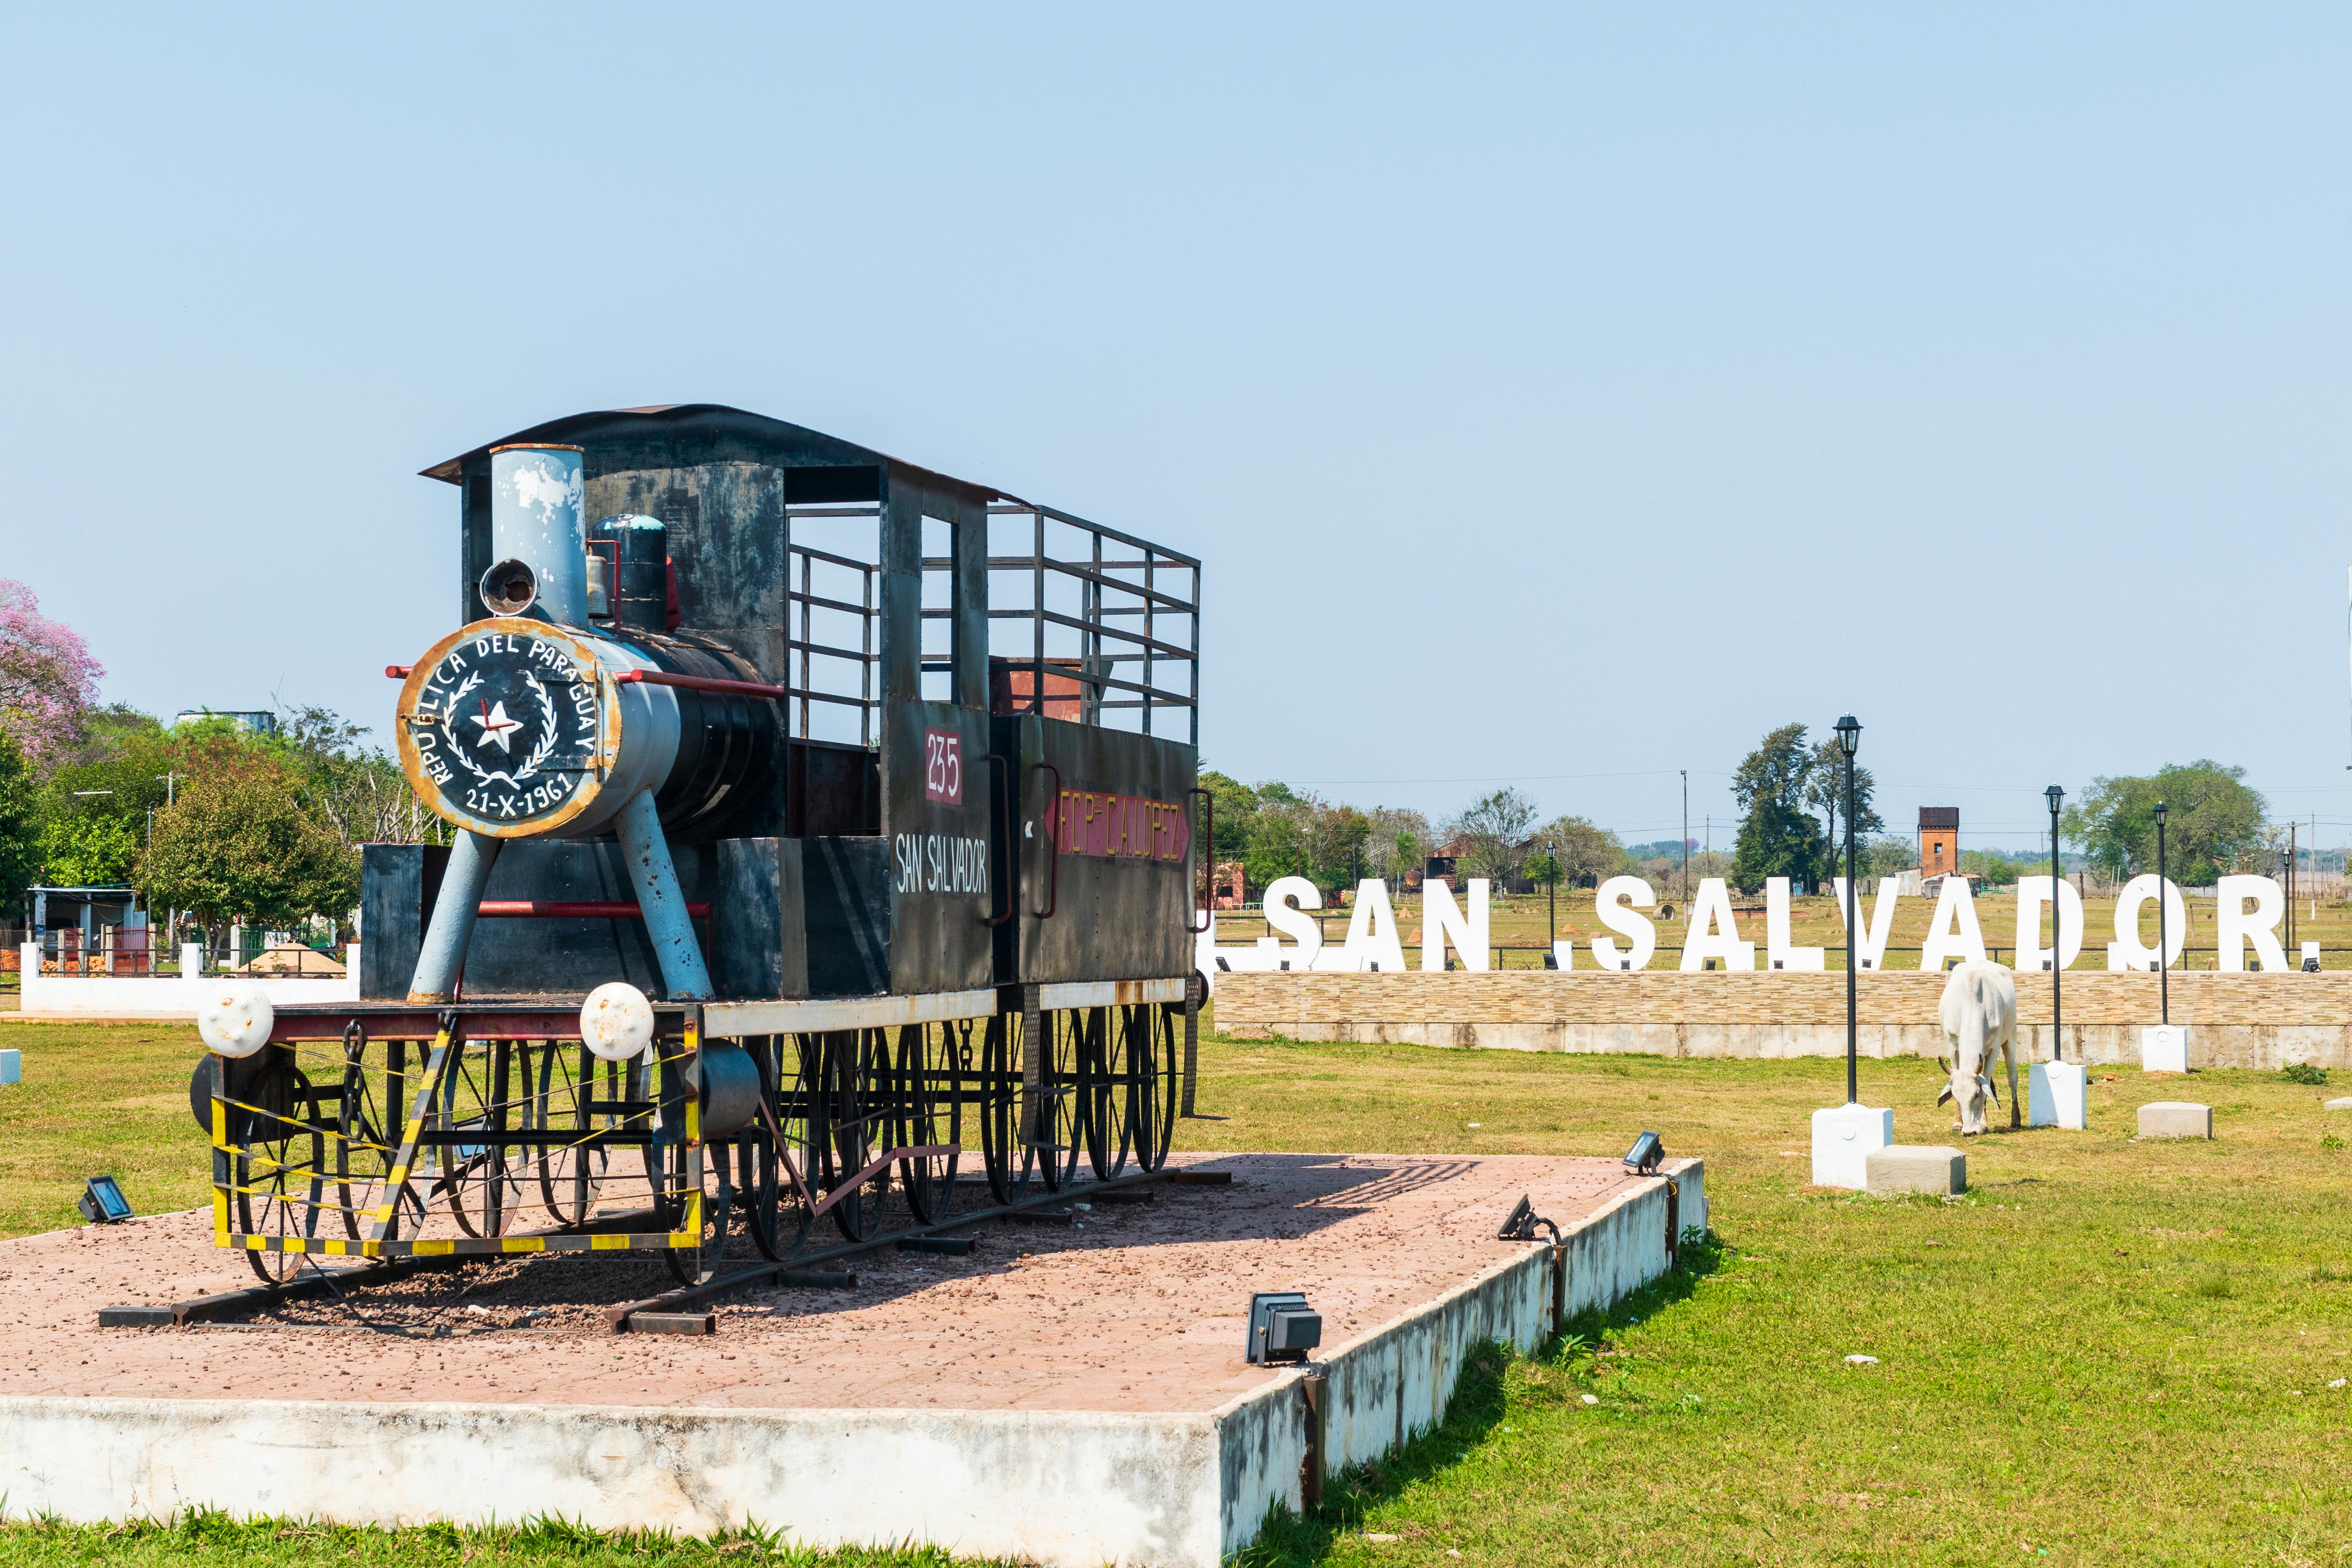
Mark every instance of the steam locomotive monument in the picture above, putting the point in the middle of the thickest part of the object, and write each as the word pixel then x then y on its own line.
pixel 821 821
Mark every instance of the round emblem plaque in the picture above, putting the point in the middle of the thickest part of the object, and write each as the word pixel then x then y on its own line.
pixel 503 728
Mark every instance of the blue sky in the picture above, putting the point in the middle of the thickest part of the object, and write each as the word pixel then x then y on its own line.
pixel 1557 397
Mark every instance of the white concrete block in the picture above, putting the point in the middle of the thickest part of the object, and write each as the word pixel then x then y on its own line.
pixel 1917 1168
pixel 1843 1136
pixel 2164 1048
pixel 2344 1104
pixel 2176 1119
pixel 12 1067
pixel 2056 1095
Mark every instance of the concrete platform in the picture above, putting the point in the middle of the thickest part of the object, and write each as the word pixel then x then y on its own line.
pixel 1071 1394
pixel 1901 1168
pixel 2176 1119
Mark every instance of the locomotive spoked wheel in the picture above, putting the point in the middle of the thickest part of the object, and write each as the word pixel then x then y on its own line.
pixel 280 1175
pixel 571 1176
pixel 1103 1073
pixel 927 1112
pixel 857 1074
pixel 1055 1143
pixel 776 1206
pixel 995 1090
pixel 484 1188
pixel 1153 1090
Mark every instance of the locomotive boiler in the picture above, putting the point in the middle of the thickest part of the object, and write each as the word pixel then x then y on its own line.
pixel 822 863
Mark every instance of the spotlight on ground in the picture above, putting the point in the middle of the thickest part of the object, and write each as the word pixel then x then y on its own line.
pixel 1642 1158
pixel 1282 1328
pixel 102 1202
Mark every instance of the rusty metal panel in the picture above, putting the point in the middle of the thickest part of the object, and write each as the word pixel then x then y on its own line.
pixel 1120 888
pixel 733 1020
pixel 763 936
pixel 846 900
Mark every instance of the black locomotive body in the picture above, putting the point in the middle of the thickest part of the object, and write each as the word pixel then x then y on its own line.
pixel 875 789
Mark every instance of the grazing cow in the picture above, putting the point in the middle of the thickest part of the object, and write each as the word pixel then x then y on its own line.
pixel 1980 1016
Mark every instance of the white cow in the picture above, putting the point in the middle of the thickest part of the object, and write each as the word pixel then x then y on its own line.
pixel 1979 1018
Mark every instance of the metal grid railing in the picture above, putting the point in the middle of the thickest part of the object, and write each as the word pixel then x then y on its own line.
pixel 1085 622
pixel 1109 632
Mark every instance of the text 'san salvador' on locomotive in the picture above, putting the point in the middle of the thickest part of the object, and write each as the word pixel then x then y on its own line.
pixel 822 822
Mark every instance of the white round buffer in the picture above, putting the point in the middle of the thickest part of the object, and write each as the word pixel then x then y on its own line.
pixel 616 1022
pixel 235 1018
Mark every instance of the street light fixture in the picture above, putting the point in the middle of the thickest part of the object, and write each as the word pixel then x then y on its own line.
pixel 2057 799
pixel 1849 738
pixel 2163 939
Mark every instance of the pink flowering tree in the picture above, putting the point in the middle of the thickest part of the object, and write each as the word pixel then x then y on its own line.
pixel 48 678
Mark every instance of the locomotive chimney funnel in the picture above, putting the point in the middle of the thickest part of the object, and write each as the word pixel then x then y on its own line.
pixel 536 522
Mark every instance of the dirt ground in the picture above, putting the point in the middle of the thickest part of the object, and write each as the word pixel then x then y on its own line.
pixel 1132 1307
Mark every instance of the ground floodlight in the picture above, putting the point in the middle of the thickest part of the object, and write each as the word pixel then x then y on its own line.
pixel 1282 1328
pixel 1642 1158
pixel 102 1202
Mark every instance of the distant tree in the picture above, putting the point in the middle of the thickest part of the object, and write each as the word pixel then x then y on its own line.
pixel 1235 805
pixel 1778 837
pixel 1580 849
pixel 237 846
pixel 1335 836
pixel 360 794
pixel 49 678
pixel 1277 847
pixel 1496 828
pixel 2214 822
pixel 1775 841
pixel 1880 855
pixel 20 825
pixel 1396 844
pixel 1540 869
pixel 1825 793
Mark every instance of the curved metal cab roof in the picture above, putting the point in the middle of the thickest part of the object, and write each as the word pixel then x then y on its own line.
pixel 681 435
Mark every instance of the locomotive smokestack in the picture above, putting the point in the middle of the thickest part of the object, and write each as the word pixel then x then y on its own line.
pixel 536 520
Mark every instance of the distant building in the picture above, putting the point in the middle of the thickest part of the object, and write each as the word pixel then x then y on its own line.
pixel 1940 840
pixel 251 723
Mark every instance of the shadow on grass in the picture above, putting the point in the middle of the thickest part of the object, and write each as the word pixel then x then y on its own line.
pixel 1290 1539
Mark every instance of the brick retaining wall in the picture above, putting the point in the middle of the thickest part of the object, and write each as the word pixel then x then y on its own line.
pixel 2235 1020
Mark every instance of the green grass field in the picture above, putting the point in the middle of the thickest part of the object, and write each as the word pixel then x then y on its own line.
pixel 2108 1351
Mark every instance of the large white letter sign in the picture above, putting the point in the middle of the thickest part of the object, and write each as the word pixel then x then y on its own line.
pixel 1283 900
pixel 2234 925
pixel 1441 921
pixel 2032 894
pixel 1712 932
pixel 2126 952
pixel 1777 951
pixel 1371 934
pixel 1953 932
pixel 1871 953
pixel 1609 907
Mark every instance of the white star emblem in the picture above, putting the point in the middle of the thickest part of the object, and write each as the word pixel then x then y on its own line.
pixel 496 726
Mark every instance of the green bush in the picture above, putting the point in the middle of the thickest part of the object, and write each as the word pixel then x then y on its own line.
pixel 2303 1072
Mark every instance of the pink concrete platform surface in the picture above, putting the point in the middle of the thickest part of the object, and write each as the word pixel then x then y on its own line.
pixel 1134 1307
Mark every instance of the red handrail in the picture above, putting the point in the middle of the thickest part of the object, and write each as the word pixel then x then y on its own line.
pixel 700 683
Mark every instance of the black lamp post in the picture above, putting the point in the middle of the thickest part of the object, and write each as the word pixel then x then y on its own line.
pixel 2163 937
pixel 2056 798
pixel 1849 736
